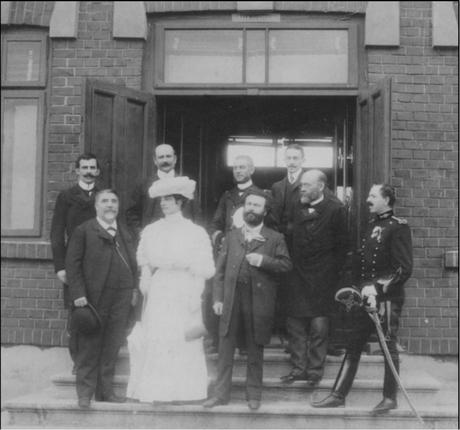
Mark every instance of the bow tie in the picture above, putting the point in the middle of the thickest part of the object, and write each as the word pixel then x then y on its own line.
pixel 112 231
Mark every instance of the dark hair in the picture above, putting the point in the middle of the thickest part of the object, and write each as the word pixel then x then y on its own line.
pixel 386 190
pixel 106 190
pixel 180 197
pixel 261 193
pixel 86 156
pixel 297 147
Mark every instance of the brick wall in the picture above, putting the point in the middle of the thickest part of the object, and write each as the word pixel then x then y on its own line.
pixel 425 171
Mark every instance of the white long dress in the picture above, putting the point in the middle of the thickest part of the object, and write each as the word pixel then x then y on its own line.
pixel 167 367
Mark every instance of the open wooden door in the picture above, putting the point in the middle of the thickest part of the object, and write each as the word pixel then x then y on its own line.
pixel 373 148
pixel 119 130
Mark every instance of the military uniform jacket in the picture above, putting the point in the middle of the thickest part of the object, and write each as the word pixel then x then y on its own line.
pixel 320 244
pixel 263 279
pixel 229 202
pixel 146 210
pixel 386 250
pixel 89 256
pixel 73 207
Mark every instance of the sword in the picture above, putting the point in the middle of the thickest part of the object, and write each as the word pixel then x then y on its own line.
pixel 351 297
pixel 375 319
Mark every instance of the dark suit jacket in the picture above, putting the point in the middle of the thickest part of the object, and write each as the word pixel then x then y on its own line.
pixel 320 245
pixel 263 280
pixel 285 197
pixel 145 210
pixel 229 202
pixel 73 207
pixel 88 259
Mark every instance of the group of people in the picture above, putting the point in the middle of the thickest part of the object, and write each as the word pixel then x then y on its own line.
pixel 281 251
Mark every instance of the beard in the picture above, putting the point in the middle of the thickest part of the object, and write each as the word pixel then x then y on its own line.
pixel 252 218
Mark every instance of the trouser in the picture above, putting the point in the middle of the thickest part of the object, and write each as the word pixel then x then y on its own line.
pixel 241 315
pixel 71 332
pixel 363 328
pixel 97 353
pixel 308 357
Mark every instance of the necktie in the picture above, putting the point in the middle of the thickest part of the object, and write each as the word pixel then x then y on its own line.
pixel 112 231
pixel 291 178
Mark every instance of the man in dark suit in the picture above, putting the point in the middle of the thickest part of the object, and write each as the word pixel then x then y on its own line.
pixel 319 247
pixel 102 271
pixel 244 294
pixel 73 206
pixel 145 210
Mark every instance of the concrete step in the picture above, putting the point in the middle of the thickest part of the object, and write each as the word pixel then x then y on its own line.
pixel 422 389
pixel 277 363
pixel 47 410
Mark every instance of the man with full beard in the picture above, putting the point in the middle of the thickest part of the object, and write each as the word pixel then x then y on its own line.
pixel 319 248
pixel 244 294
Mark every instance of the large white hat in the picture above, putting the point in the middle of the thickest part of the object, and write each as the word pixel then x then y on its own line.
pixel 177 185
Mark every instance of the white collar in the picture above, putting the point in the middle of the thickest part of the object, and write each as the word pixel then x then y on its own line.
pixel 253 230
pixel 177 216
pixel 295 175
pixel 245 185
pixel 163 175
pixel 85 186
pixel 104 225
pixel 317 201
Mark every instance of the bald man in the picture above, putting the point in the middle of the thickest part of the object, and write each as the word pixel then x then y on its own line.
pixel 319 247
pixel 145 210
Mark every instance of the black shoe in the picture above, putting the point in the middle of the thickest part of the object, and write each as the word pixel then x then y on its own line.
pixel 253 404
pixel 384 406
pixel 113 398
pixel 214 401
pixel 74 369
pixel 84 403
pixel 334 400
pixel 313 380
pixel 291 377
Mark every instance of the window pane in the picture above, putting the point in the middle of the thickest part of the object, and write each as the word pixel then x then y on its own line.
pixel 308 56
pixel 19 163
pixel 203 56
pixel 263 156
pixel 23 61
pixel 315 157
pixel 255 56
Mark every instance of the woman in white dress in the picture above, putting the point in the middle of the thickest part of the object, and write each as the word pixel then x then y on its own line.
pixel 167 360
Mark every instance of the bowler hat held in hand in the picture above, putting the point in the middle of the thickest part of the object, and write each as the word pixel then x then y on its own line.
pixel 85 319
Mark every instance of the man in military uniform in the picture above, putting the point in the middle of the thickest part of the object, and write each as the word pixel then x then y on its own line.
pixel 380 268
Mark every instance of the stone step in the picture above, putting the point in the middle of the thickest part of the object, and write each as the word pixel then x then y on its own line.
pixel 45 410
pixel 422 389
pixel 277 363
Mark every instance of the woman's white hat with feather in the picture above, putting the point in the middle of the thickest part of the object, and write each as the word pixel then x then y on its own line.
pixel 177 185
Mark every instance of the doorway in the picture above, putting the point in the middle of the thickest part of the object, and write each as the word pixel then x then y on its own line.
pixel 208 131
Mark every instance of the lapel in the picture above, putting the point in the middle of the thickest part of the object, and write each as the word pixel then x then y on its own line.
pixel 78 195
pixel 100 231
pixel 128 241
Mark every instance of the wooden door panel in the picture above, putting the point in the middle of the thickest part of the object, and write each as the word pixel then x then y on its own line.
pixel 119 131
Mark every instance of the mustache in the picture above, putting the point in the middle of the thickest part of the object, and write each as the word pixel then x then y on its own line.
pixel 89 175
pixel 165 163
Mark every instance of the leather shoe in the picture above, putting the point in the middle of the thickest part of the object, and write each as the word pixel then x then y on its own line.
pixel 313 380
pixel 384 406
pixel 84 402
pixel 214 401
pixel 114 399
pixel 291 377
pixel 334 400
pixel 254 405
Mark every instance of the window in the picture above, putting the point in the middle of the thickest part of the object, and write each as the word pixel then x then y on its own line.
pixel 22 116
pixel 266 152
pixel 269 56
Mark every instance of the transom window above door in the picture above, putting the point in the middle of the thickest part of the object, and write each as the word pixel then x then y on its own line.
pixel 256 56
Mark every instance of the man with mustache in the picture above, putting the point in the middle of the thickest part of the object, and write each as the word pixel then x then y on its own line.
pixel 244 293
pixel 381 266
pixel 319 247
pixel 145 210
pixel 73 206
pixel 102 272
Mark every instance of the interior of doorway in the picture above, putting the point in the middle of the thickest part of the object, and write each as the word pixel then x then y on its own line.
pixel 201 129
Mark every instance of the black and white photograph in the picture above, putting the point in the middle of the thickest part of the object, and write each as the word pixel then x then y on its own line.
pixel 229 215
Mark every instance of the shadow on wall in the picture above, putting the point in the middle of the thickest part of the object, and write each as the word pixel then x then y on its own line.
pixel 28 369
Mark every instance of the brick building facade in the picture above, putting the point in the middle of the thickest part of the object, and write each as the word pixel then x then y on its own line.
pixel 424 136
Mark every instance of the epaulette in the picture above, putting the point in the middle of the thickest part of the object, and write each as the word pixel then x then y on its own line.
pixel 400 220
